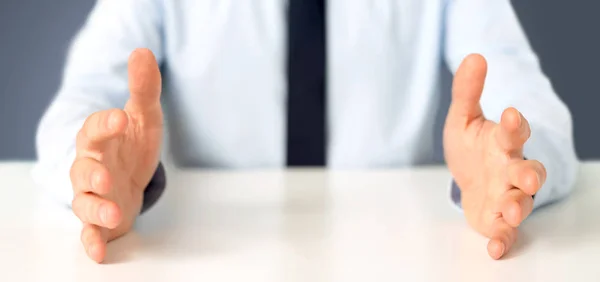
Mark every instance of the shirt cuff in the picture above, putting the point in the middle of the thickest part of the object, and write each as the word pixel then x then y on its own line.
pixel 155 188
pixel 455 195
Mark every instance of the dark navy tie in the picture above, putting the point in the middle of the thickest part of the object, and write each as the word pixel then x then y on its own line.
pixel 306 78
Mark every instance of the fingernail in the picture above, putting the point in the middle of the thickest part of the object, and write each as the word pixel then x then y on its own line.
pixel 502 249
pixel 103 214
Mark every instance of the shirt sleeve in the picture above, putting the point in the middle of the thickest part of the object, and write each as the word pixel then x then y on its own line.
pixel 515 79
pixel 94 79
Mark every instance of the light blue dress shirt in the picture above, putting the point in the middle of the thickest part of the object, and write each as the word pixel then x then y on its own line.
pixel 223 63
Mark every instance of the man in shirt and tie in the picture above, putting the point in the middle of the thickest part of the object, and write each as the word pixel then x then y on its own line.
pixel 338 83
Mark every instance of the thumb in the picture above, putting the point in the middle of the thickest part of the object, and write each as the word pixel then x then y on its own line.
pixel 467 89
pixel 144 83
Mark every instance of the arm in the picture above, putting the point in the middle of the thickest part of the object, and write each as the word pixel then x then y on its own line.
pixel 95 79
pixel 491 28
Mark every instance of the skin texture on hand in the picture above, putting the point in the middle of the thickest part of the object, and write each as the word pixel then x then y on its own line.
pixel 117 154
pixel 486 161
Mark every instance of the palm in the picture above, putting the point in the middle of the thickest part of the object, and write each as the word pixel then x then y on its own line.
pixel 132 160
pixel 137 151
pixel 486 160
pixel 481 175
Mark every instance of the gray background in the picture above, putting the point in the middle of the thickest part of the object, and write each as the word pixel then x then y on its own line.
pixel 34 36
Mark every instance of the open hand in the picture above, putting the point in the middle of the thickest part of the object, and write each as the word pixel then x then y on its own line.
pixel 117 154
pixel 486 160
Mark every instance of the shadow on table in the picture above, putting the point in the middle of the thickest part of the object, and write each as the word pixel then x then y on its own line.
pixel 141 246
pixel 520 247
pixel 225 220
pixel 565 225
pixel 173 230
pixel 168 230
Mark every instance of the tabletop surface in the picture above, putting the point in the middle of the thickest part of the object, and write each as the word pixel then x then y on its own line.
pixel 299 225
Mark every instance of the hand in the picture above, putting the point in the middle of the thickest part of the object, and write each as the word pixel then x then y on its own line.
pixel 117 154
pixel 486 160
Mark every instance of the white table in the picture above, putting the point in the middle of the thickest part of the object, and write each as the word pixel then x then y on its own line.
pixel 304 225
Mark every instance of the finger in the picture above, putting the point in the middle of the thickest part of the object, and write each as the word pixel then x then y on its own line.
pixel 467 89
pixel 513 131
pixel 527 175
pixel 89 175
pixel 94 240
pixel 96 210
pixel 515 206
pixel 144 83
pixel 100 127
pixel 502 239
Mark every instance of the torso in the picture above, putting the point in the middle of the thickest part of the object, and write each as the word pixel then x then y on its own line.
pixel 226 89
